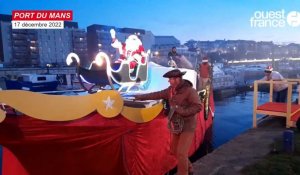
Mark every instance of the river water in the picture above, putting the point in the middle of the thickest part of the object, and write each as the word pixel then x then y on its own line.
pixel 233 116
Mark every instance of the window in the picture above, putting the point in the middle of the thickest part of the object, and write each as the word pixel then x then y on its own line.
pixel 41 78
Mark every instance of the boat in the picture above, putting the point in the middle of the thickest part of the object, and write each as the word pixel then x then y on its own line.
pixel 224 85
pixel 102 132
pixel 33 82
pixel 76 135
pixel 254 72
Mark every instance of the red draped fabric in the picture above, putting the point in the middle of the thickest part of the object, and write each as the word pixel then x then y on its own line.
pixel 92 145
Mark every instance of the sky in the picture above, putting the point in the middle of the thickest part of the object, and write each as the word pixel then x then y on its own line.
pixel 185 19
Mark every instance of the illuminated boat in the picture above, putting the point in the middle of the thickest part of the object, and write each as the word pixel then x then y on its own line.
pixel 103 132
pixel 102 72
pixel 91 134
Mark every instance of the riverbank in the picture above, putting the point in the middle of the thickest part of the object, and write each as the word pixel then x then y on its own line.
pixel 245 149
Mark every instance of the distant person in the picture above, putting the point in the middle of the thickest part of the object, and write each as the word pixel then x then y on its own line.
pixel 184 105
pixel 173 53
pixel 173 56
pixel 204 73
pixel 280 90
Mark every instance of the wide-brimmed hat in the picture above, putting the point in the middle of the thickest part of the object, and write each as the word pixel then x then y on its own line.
pixel 269 69
pixel 174 73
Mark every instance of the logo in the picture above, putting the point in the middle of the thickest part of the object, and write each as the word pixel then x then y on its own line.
pixel 275 19
pixel 293 19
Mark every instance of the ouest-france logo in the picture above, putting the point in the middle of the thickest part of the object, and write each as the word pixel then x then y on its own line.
pixel 275 19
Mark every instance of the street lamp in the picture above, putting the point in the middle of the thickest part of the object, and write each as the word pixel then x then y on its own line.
pixel 156 54
pixel 234 48
pixel 99 47
pixel 48 66
pixel 198 50
pixel 272 57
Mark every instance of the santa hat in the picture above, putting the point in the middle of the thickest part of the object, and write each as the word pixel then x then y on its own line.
pixel 204 60
pixel 269 69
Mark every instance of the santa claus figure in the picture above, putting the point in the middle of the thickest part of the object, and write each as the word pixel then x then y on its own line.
pixel 132 51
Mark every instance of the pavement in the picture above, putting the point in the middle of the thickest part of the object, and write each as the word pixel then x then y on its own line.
pixel 247 148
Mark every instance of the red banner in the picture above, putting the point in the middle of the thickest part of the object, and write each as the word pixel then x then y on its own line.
pixel 42 15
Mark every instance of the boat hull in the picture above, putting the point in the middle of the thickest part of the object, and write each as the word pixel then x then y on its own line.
pixel 35 87
pixel 91 145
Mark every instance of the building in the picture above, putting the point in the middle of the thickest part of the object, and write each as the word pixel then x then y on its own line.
pixel 79 41
pixel 18 47
pixel 163 45
pixel 5 39
pixel 99 39
pixel 55 45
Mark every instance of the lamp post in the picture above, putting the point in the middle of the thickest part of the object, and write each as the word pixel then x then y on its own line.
pixel 273 60
pixel 156 54
pixel 99 47
pixel 48 67
pixel 234 48
pixel 197 58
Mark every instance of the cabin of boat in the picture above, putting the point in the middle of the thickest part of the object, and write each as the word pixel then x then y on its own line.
pixel 33 82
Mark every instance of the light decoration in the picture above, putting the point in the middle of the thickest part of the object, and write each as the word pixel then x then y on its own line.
pixel 261 60
pixel 252 61
pixel 124 75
